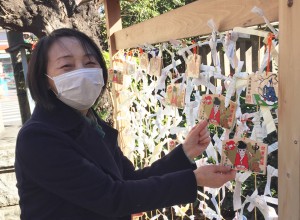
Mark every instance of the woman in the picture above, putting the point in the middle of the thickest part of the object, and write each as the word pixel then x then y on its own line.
pixel 68 164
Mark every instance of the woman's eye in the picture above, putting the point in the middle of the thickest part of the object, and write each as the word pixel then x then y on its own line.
pixel 90 63
pixel 66 66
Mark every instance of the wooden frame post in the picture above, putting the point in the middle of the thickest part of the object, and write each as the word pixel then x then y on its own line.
pixel 113 22
pixel 289 109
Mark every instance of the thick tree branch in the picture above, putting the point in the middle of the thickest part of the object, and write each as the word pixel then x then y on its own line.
pixel 42 17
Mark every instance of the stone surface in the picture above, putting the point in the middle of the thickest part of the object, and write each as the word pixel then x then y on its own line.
pixel 7 157
pixel 10 213
pixel 8 190
pixel 9 199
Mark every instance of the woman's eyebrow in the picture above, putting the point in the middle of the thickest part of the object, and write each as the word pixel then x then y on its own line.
pixel 62 57
pixel 90 55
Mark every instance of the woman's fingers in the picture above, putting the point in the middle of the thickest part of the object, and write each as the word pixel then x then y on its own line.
pixel 214 176
pixel 204 136
pixel 199 127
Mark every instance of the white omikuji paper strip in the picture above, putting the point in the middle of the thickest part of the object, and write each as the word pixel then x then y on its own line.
pixel 165 130
pixel 218 143
pixel 215 71
pixel 229 186
pixel 188 91
pixel 161 82
pixel 273 55
pixel 155 217
pixel 274 52
pixel 271 200
pixel 264 61
pixel 223 194
pixel 162 79
pixel 181 52
pixel 229 45
pixel 189 112
pixel 219 90
pixel 230 91
pixel 258 133
pixel 271 171
pixel 213 42
pixel 255 200
pixel 239 178
pixel 238 81
pixel 211 152
pixel 241 129
pixel 203 195
pixel 181 210
pixel 260 12
pixel 214 192
pixel 204 81
pixel 272 147
pixel 268 119
pixel 208 212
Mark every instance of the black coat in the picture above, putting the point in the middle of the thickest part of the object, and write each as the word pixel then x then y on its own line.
pixel 66 171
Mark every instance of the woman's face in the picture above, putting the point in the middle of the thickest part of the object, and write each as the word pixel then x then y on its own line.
pixel 66 55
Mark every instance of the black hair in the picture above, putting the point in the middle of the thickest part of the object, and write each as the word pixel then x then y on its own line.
pixel 241 145
pixel 37 80
pixel 217 101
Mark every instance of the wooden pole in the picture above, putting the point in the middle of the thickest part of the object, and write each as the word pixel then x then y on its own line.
pixel 289 108
pixel 113 22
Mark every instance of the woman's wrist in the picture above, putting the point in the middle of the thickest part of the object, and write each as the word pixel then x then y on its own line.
pixel 191 159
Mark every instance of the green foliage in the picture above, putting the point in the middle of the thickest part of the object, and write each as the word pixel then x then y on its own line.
pixel 141 10
pixel 106 58
pixel 138 11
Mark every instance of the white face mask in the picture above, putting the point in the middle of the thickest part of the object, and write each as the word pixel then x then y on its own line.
pixel 80 88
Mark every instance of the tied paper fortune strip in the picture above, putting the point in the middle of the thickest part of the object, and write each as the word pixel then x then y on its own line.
pixel 218 143
pixel 211 152
pixel 213 42
pixel 272 147
pixel 229 45
pixel 268 119
pixel 260 202
pixel 161 81
pixel 237 81
pixel 260 12
pixel 271 171
pixel 214 192
pixel 239 178
pixel 208 212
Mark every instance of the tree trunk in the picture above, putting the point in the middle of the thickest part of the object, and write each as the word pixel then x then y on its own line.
pixel 42 17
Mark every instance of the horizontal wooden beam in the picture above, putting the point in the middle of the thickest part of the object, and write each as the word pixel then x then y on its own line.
pixel 191 20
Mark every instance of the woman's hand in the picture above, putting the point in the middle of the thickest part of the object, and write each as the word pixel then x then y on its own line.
pixel 214 176
pixel 197 140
